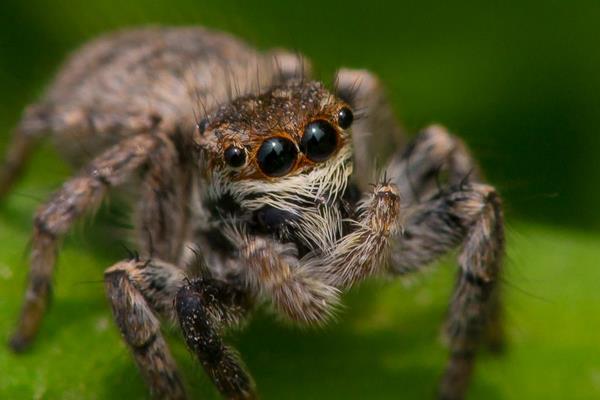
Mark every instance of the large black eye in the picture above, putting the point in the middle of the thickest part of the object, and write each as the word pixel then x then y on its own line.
pixel 276 156
pixel 345 118
pixel 235 156
pixel 319 140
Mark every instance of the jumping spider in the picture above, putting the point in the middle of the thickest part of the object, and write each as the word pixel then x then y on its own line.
pixel 268 181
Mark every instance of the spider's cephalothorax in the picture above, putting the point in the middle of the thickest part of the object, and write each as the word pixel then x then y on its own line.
pixel 274 191
pixel 284 159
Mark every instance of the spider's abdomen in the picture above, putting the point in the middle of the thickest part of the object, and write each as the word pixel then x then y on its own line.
pixel 141 80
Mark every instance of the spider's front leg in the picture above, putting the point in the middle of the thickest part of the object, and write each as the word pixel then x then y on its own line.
pixel 138 290
pixel 204 307
pixel 142 290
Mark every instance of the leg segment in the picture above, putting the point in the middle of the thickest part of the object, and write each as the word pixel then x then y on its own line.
pixel 78 196
pixel 204 306
pixel 17 155
pixel 467 213
pixel 470 215
pixel 433 152
pixel 135 288
pixel 375 131
pixel 161 214
pixel 475 304
pixel 25 139
pixel 274 272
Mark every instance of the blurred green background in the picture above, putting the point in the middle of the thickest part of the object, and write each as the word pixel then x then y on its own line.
pixel 519 81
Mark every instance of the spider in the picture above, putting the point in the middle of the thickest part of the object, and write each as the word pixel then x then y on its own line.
pixel 252 185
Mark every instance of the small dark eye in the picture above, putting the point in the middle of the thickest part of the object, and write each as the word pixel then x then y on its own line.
pixel 276 156
pixel 345 118
pixel 235 156
pixel 319 140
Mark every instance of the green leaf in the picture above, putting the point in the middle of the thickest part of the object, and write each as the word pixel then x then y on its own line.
pixel 385 343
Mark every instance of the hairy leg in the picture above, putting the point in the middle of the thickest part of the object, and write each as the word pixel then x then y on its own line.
pixel 17 155
pixel 162 211
pixel 418 169
pixel 469 216
pixel 136 290
pixel 459 214
pixel 375 131
pixel 362 252
pixel 273 271
pixel 77 196
pixel 204 307
pixel 32 128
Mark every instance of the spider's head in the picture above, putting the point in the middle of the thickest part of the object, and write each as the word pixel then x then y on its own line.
pixel 288 149
pixel 289 130
pixel 294 137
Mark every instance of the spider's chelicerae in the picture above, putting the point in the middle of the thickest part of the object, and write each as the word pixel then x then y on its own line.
pixel 239 158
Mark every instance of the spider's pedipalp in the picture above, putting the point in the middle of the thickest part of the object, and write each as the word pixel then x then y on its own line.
pixel 273 271
pixel 362 252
